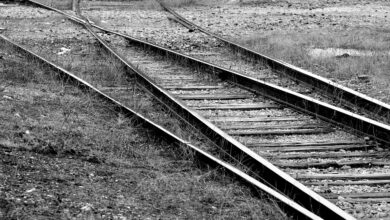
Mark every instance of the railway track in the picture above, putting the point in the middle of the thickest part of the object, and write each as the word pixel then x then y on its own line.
pixel 274 130
pixel 268 69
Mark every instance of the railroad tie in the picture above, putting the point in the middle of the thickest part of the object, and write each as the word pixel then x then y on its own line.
pixel 335 164
pixel 269 127
pixel 302 144
pixel 215 96
pixel 367 195
pixel 193 87
pixel 281 132
pixel 328 155
pixel 349 182
pixel 228 119
pixel 316 148
pixel 236 106
pixel 342 176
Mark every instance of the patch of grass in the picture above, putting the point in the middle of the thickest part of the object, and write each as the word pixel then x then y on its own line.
pixel 59 4
pixel 294 48
pixel 13 70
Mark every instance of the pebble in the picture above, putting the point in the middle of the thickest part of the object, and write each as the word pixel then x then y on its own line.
pixel 31 190
pixel 345 167
pixel 7 97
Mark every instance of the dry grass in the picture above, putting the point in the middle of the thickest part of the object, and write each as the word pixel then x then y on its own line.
pixel 60 4
pixel 294 47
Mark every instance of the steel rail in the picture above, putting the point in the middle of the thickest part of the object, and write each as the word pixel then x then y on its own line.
pixel 334 90
pixel 270 174
pixel 202 155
